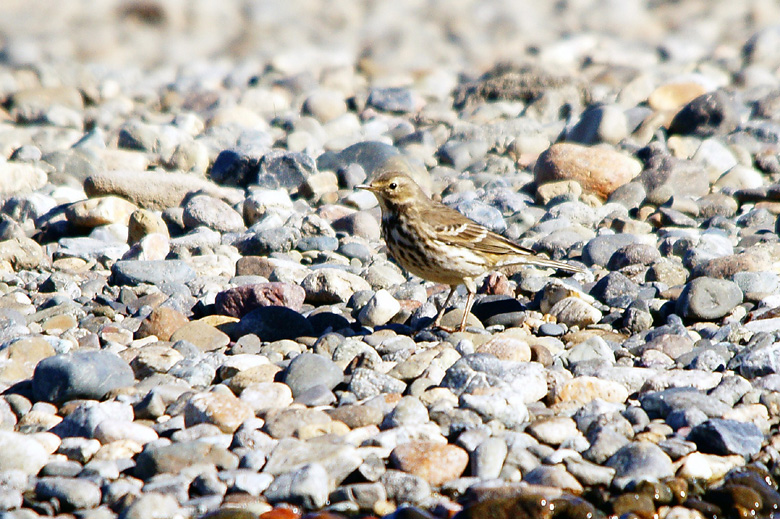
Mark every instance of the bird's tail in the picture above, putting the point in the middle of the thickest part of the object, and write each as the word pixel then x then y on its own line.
pixel 544 262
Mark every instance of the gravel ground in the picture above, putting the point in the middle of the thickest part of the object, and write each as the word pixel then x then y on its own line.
pixel 198 317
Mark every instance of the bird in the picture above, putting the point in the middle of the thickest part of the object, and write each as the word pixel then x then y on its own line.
pixel 438 243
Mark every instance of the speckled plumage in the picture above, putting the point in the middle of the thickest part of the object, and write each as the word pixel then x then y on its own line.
pixel 437 243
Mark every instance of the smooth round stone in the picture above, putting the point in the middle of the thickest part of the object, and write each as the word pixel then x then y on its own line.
pixel 330 285
pixel 287 423
pixel 507 347
pixel 639 461
pixel 355 250
pixel 162 322
pixel 708 298
pixel 265 396
pixel 553 430
pixel 85 417
pixel 95 212
pixel 309 370
pixel 218 408
pixel 600 249
pixel 661 403
pixel 366 383
pixel 408 411
pixel 598 170
pixel 488 458
pixel 203 335
pixel 82 374
pixel 435 463
pixel 22 253
pixel 266 241
pixel 551 330
pixel 153 504
pixel 154 358
pixel 284 169
pixel 325 105
pixel 757 285
pixel 616 290
pixel 204 210
pixel 379 309
pixel 405 488
pixel 573 311
pixel 555 476
pixel 22 356
pixel 110 431
pixel 175 457
pixel 21 452
pixel 634 254
pixel 19 177
pixel 307 486
pixel 317 243
pixel 74 493
pixel 393 99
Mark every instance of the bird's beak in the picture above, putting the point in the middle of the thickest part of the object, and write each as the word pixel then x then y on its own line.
pixel 367 187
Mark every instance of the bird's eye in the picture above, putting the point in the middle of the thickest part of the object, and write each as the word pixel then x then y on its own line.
pixel 393 185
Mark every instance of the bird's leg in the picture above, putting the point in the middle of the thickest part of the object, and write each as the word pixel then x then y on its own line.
pixel 437 321
pixel 471 288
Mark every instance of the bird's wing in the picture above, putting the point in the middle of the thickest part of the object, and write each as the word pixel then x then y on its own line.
pixel 452 228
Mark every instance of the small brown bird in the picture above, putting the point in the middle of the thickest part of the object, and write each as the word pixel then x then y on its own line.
pixel 437 243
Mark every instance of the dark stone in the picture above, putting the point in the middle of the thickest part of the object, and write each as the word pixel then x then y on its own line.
pixel 725 437
pixel 266 241
pixel 490 306
pixel 322 321
pixel 233 168
pixel 273 323
pixel 393 99
pixel 708 298
pixel 284 169
pixel 713 113
pixel 81 374
pixel 600 249
pixel 616 290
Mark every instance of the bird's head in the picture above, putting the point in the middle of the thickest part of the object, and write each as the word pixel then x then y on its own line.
pixel 394 188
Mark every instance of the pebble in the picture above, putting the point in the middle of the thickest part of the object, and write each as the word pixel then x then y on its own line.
pixel 307 371
pixel 81 374
pixel 598 171
pixel 708 298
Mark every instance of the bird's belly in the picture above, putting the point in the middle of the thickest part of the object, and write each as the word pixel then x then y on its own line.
pixel 436 262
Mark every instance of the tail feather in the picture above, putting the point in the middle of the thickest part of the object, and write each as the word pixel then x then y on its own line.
pixel 543 262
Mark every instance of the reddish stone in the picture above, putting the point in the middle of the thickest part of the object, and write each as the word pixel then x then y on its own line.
pixel 434 462
pixel 280 513
pixel 254 266
pixel 497 284
pixel 162 323
pixel 239 301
